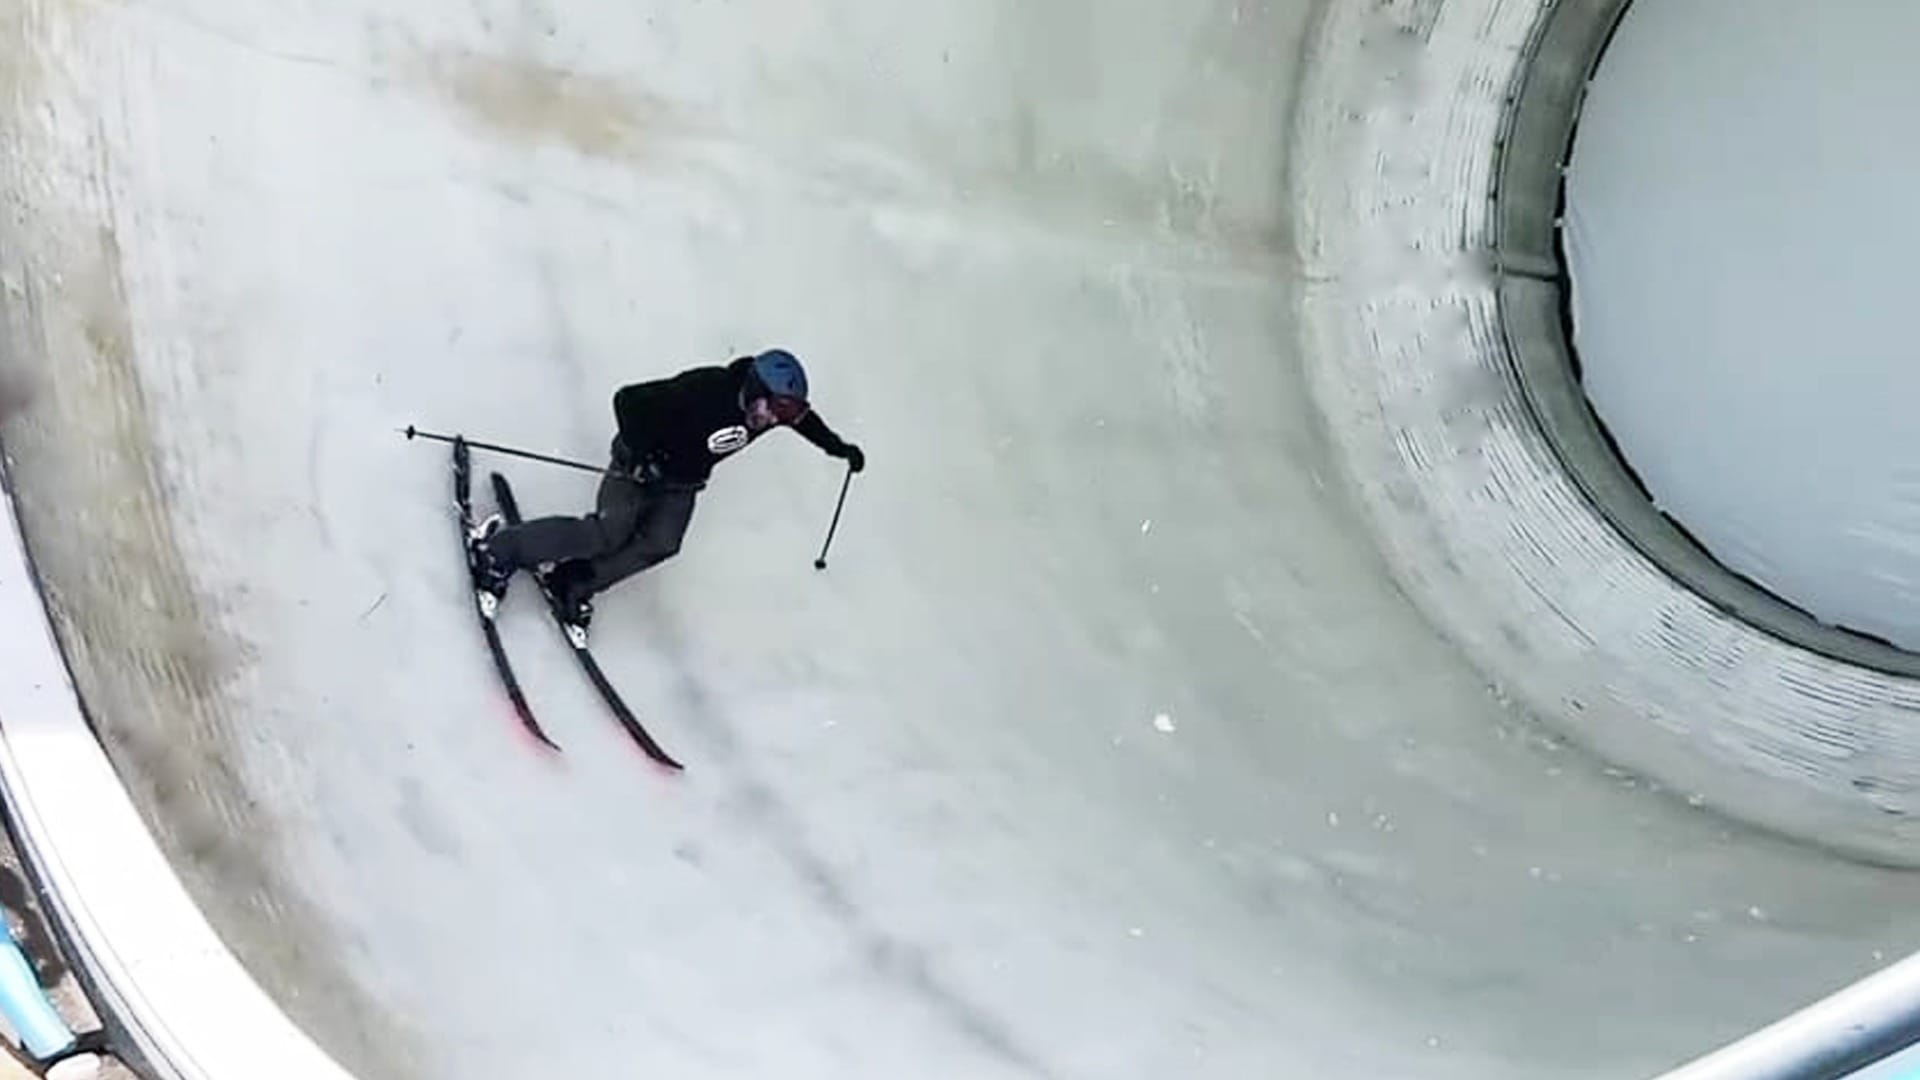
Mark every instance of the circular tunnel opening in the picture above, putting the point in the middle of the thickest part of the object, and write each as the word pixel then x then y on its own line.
pixel 1735 240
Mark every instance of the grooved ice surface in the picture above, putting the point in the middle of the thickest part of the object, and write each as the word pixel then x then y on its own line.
pixel 1042 261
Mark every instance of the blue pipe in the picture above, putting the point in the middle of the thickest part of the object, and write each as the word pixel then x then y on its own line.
pixel 25 1004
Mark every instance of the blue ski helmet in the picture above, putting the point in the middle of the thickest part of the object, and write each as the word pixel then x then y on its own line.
pixel 779 373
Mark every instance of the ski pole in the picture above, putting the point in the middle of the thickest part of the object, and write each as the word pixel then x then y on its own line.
pixel 821 562
pixel 412 432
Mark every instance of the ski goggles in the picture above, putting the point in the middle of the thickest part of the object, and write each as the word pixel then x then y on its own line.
pixel 787 410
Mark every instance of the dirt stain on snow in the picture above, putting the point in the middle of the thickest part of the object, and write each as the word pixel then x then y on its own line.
pixel 530 103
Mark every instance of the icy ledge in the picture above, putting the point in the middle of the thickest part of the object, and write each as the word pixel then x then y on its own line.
pixel 151 961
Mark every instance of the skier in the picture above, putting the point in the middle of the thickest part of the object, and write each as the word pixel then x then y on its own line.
pixel 670 434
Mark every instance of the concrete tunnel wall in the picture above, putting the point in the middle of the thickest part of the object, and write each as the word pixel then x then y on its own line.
pixel 1421 173
pixel 1529 201
pixel 1437 350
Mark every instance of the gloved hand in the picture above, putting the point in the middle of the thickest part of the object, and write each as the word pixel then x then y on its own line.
pixel 855 457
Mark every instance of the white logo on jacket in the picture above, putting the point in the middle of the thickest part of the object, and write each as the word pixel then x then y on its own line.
pixel 727 440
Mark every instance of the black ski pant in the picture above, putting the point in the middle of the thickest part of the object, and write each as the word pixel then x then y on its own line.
pixel 633 526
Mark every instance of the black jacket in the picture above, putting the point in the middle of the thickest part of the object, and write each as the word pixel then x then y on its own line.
pixel 683 426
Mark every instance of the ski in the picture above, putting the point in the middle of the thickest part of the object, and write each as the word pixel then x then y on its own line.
pixel 486 605
pixel 577 639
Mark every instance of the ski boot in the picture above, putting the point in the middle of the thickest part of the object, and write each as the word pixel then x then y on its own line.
pixel 571 585
pixel 490 575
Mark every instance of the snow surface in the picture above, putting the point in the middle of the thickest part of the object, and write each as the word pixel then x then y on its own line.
pixel 1741 231
pixel 1040 261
